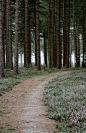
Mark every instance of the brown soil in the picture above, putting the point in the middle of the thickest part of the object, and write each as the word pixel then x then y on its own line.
pixel 25 108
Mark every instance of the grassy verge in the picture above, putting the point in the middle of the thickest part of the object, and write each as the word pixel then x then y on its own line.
pixel 66 98
pixel 11 79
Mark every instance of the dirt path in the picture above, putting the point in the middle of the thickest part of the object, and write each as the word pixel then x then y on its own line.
pixel 25 107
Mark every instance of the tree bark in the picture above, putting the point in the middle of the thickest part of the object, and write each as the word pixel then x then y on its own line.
pixel 37 35
pixel 7 34
pixel 75 39
pixel 1 47
pixel 70 48
pixel 68 37
pixel 26 34
pixel 29 38
pixel 64 31
pixel 55 46
pixel 16 37
pixel 84 34
pixel 49 48
pixel 3 26
pixel 52 35
pixel 78 52
pixel 45 49
pixel 58 35
pixel 10 38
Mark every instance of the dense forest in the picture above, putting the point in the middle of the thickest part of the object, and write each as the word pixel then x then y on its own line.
pixel 60 23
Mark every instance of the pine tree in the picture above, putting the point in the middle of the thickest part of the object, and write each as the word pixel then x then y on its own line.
pixel 10 38
pixel 52 34
pixel 16 37
pixel 45 49
pixel 37 35
pixel 75 39
pixel 64 31
pixel 1 47
pixel 7 34
pixel 58 35
pixel 84 34
pixel 29 35
pixel 49 48
pixel 3 26
pixel 26 34
pixel 68 37
pixel 55 42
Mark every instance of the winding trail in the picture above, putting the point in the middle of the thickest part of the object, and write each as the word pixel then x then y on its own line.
pixel 25 107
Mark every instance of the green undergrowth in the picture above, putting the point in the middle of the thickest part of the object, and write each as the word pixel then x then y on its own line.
pixel 65 97
pixel 3 131
pixel 11 79
pixel 1 113
pixel 9 129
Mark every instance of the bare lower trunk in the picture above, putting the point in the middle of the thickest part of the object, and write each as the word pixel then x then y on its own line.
pixel 55 46
pixel 68 37
pixel 29 41
pixel 26 34
pixel 37 35
pixel 78 52
pixel 49 48
pixel 3 26
pixel 45 49
pixel 58 35
pixel 52 35
pixel 10 38
pixel 70 49
pixel 1 48
pixel 35 38
pixel 75 39
pixel 64 31
pixel 7 34
pixel 16 37
pixel 84 33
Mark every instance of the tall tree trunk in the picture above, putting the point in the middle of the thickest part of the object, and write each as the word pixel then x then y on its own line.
pixel 10 38
pixel 37 35
pixel 29 39
pixel 45 49
pixel 58 35
pixel 61 39
pixel 1 47
pixel 49 48
pixel 55 46
pixel 64 31
pixel 26 34
pixel 78 52
pixel 7 34
pixel 75 39
pixel 16 37
pixel 3 26
pixel 68 37
pixel 70 48
pixel 52 35
pixel 84 33
pixel 83 48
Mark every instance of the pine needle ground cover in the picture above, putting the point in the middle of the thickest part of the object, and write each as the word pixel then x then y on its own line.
pixel 66 98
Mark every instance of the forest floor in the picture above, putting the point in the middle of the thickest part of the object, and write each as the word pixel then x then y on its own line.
pixel 22 110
